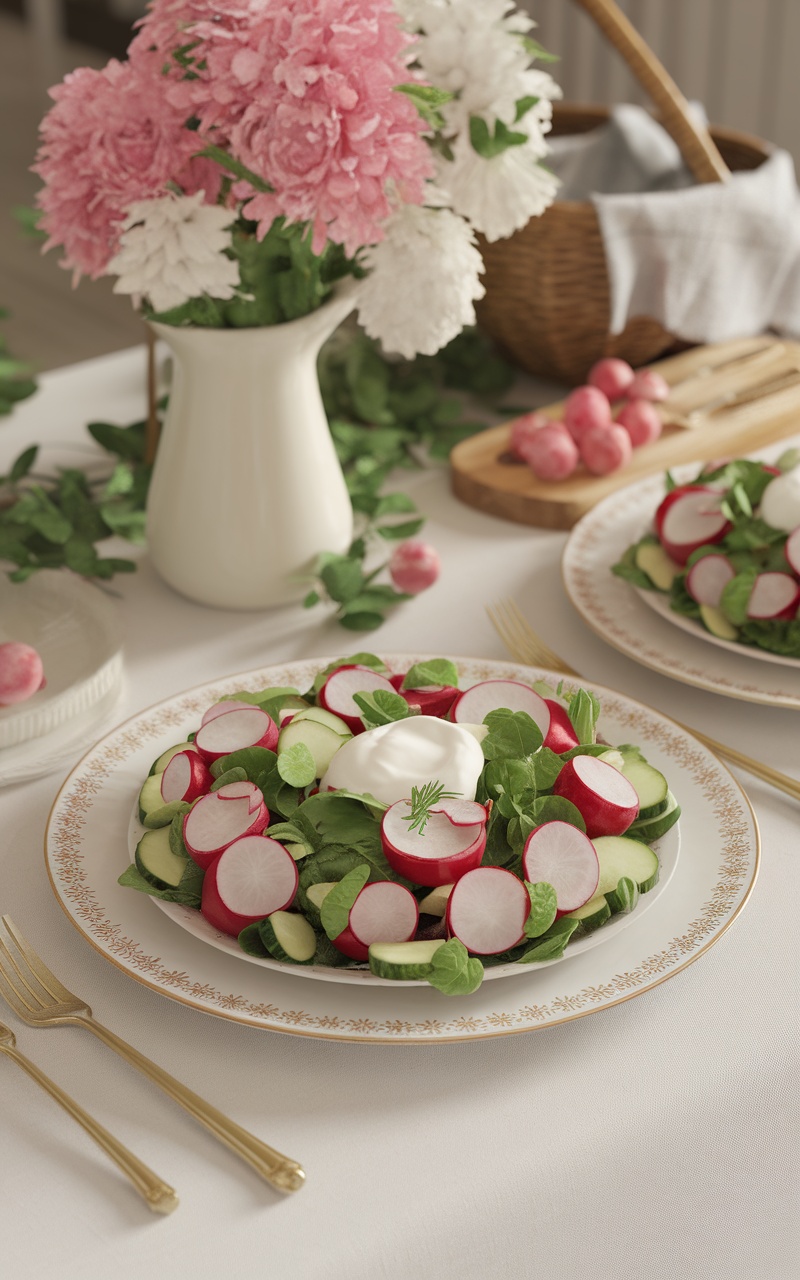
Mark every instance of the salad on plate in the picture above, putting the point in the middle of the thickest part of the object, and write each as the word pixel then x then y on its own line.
pixel 724 550
pixel 397 822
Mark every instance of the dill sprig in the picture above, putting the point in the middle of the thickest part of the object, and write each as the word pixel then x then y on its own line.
pixel 423 800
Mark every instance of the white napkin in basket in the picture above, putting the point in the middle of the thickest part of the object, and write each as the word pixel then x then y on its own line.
pixel 711 261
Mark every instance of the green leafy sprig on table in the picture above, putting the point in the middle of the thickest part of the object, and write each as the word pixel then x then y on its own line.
pixel 16 377
pixel 385 416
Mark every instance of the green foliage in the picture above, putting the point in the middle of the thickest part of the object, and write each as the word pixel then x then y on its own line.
pixel 16 378
pixel 385 416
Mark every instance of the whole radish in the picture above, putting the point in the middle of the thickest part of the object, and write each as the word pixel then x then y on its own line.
pixel 641 420
pixel 584 409
pixel 21 672
pixel 414 566
pixel 648 385
pixel 611 376
pixel 551 453
pixel 606 449
pixel 523 429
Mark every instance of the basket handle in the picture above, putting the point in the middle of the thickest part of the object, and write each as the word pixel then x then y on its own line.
pixel 695 142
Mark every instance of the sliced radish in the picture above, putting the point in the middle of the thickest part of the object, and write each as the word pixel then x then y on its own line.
pixel 561 735
pixel 780 501
pixel 564 857
pixel 336 694
pixel 689 518
pixel 792 550
pixel 185 778
pixel 474 704
pixel 707 579
pixel 252 878
pixel 234 730
pixel 220 708
pixel 774 595
pixel 21 672
pixel 487 910
pixel 219 818
pixel 432 700
pixel 606 801
pixel 451 843
pixel 384 912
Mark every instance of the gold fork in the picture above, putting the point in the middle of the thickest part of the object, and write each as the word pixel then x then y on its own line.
pixel 157 1194
pixel 526 646
pixel 41 1000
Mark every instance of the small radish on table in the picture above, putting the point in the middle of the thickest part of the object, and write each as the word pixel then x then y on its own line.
pixel 612 376
pixel 551 452
pixel 414 566
pixel 606 449
pixel 21 672
pixel 641 420
pixel 586 409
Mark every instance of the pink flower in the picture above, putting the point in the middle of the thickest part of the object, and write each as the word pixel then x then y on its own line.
pixel 302 92
pixel 111 138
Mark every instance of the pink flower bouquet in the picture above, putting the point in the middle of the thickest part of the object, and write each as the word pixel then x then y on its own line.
pixel 248 154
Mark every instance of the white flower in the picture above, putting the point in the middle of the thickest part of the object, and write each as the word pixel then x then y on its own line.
pixel 497 195
pixel 423 281
pixel 172 249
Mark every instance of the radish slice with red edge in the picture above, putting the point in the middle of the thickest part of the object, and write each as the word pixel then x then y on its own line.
pixel 234 730
pixel 185 778
pixel 252 878
pixel 336 694
pixel 707 579
pixel 487 910
pixel 451 843
pixel 383 912
pixel 561 855
pixel 607 801
pixel 774 595
pixel 432 700
pixel 561 735
pixel 792 550
pixel 689 518
pixel 219 818
pixel 474 704
pixel 220 708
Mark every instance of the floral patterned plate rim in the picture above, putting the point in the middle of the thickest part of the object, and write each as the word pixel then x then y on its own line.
pixel 659 603
pixel 614 611
pixel 86 847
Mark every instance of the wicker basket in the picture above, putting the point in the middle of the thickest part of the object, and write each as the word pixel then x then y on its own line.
pixel 547 302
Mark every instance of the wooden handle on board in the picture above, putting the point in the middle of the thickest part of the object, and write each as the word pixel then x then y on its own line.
pixel 695 143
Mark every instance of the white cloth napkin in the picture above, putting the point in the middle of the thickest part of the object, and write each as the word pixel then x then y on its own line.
pixel 711 261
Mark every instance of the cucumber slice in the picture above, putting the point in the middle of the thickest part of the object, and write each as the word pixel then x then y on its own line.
pixel 156 861
pixel 660 568
pixel 322 741
pixel 159 765
pixel 650 786
pixel 716 622
pixel 402 960
pixel 654 828
pixel 288 937
pixel 150 797
pixel 435 902
pixel 621 856
pixel 592 914
pixel 336 723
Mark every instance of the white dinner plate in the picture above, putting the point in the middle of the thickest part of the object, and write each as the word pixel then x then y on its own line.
pixel 86 848
pixel 658 601
pixel 615 611
pixel 74 628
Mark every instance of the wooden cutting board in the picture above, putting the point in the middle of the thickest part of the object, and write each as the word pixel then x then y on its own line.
pixel 759 377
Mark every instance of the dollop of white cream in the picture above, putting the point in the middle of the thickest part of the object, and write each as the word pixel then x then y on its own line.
pixel 391 759
pixel 780 502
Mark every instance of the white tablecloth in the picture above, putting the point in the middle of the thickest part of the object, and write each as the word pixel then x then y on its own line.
pixel 655 1139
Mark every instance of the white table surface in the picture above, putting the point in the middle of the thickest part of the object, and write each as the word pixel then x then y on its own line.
pixel 655 1139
